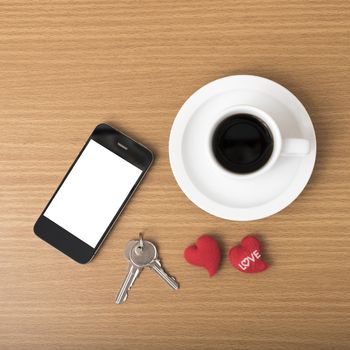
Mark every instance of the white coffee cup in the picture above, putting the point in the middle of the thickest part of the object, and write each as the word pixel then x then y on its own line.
pixel 282 147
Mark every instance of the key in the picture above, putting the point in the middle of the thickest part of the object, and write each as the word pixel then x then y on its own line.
pixel 132 274
pixel 156 266
pixel 130 245
pixel 142 256
pixel 148 256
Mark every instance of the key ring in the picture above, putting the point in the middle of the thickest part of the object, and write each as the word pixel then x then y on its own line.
pixel 141 241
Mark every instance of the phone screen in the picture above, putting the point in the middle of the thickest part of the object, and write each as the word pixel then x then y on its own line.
pixel 92 193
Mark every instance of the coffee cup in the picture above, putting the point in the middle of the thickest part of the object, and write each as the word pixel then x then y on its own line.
pixel 246 142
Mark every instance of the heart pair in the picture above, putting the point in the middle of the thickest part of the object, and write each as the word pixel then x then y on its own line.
pixel 245 257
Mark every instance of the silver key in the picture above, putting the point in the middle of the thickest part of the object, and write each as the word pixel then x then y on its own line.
pixel 142 257
pixel 133 273
pixel 149 257
pixel 156 266
pixel 130 245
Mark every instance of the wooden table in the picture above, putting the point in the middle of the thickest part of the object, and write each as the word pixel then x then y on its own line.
pixel 66 66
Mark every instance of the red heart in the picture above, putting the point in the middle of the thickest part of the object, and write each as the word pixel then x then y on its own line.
pixel 205 253
pixel 246 257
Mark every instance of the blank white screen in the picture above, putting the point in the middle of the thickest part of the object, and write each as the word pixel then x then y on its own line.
pixel 92 193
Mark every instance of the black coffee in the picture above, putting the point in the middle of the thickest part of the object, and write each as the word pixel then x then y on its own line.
pixel 242 143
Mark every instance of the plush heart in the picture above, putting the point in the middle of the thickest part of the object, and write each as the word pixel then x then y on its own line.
pixel 246 257
pixel 205 253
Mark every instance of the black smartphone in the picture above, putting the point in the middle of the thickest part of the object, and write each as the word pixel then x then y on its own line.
pixel 93 193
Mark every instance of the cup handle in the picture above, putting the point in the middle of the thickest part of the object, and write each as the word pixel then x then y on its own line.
pixel 295 147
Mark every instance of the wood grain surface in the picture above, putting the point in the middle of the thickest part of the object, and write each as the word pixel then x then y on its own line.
pixel 66 66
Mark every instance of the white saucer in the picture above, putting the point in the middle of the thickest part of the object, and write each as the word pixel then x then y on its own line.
pixel 214 190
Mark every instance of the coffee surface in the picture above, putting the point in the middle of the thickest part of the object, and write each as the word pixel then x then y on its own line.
pixel 242 143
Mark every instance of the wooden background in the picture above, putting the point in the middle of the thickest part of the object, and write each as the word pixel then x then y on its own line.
pixel 66 66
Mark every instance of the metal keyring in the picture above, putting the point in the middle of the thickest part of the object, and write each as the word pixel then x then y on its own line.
pixel 141 241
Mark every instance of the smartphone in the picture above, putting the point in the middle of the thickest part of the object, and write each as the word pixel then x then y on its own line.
pixel 93 193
